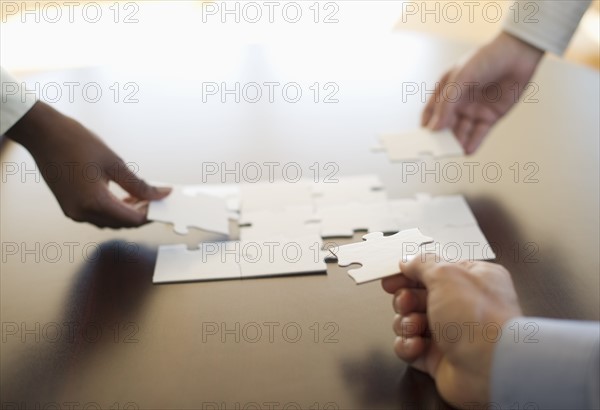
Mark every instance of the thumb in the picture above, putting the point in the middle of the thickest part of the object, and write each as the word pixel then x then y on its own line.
pixel 442 115
pixel 421 268
pixel 135 186
pixel 431 107
pixel 444 110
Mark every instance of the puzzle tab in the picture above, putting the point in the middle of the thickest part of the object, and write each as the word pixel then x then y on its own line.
pixel 202 211
pixel 419 144
pixel 379 255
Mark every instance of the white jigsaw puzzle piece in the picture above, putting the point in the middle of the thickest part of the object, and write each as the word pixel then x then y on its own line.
pixel 297 220
pixel 229 192
pixel 285 214
pixel 421 143
pixel 358 188
pixel 278 256
pixel 200 211
pixel 345 194
pixel 278 195
pixel 378 255
pixel 365 182
pixel 175 263
pixel 427 211
pixel 283 256
pixel 339 221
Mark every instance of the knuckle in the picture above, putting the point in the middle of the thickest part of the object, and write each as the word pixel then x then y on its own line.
pixel 396 324
pixel 91 204
pixel 83 210
pixel 491 268
pixel 448 271
pixel 444 269
pixel 75 214
pixel 501 270
pixel 399 348
pixel 141 187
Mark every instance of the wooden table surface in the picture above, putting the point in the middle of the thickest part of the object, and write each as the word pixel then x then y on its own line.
pixel 82 322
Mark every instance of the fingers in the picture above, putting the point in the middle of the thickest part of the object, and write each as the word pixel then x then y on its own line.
pixel 410 343
pixel 429 358
pixel 420 267
pixel 103 209
pixel 443 116
pixel 443 112
pixel 428 110
pixel 462 130
pixel 410 300
pixel 135 186
pixel 410 349
pixel 430 107
pixel 480 130
pixel 110 212
pixel 414 345
pixel 393 283
pixel 411 325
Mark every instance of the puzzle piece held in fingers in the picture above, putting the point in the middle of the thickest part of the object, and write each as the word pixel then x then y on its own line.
pixel 200 210
pixel 420 143
pixel 379 255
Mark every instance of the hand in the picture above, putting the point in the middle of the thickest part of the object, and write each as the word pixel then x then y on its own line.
pixel 77 166
pixel 434 299
pixel 476 93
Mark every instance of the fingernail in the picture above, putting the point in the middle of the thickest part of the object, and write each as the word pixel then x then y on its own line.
pixel 433 121
pixel 163 190
pixel 471 148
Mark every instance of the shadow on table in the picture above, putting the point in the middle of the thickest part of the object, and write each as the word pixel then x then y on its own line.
pixel 103 305
pixel 382 381
pixel 538 268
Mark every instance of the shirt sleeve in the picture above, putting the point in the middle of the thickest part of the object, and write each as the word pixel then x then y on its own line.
pixel 545 24
pixel 14 101
pixel 547 364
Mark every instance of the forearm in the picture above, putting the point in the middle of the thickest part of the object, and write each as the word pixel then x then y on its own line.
pixel 551 364
pixel 545 24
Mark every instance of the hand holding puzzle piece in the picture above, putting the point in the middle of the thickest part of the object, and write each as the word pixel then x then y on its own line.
pixel 380 255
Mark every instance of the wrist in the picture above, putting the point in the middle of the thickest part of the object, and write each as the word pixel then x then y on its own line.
pixel 33 128
pixel 516 46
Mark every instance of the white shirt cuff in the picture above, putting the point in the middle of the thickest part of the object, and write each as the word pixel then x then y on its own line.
pixel 15 101
pixel 545 24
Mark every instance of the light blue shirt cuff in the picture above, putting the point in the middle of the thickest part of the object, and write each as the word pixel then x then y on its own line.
pixel 547 364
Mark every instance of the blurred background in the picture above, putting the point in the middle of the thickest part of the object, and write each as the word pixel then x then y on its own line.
pixel 46 35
